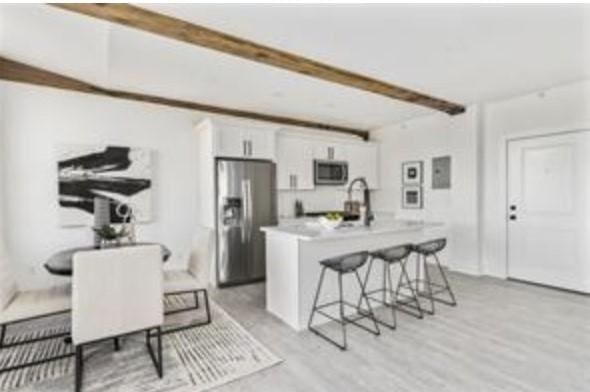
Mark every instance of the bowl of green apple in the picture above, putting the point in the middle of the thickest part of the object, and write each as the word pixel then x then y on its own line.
pixel 331 220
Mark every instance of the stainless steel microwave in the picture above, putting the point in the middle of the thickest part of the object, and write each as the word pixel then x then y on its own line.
pixel 330 172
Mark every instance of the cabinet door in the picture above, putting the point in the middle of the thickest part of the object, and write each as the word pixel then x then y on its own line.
pixel 240 142
pixel 294 163
pixel 229 142
pixel 285 159
pixel 260 143
pixel 304 172
pixel 329 151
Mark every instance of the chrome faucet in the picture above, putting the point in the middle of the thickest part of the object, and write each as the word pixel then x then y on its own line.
pixel 367 196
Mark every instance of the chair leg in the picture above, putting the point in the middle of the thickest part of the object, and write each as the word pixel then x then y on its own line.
pixel 196 324
pixel 316 297
pixel 79 364
pixel 196 293
pixel 447 285
pixel 428 285
pixel 207 308
pixel 160 356
pixel 341 297
pixel 392 298
pixel 4 345
pixel 2 334
pixel 414 294
pixel 314 310
pixel 417 280
pixel 156 359
pixel 384 298
pixel 371 313
pixel 366 281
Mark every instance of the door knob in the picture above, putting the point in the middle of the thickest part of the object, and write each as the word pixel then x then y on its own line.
pixel 512 217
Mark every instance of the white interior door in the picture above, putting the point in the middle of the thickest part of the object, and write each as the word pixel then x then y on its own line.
pixel 549 210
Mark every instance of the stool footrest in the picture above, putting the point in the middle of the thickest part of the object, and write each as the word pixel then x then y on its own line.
pixel 414 282
pixel 332 303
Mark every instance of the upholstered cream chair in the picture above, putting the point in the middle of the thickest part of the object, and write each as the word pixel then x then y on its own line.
pixel 117 292
pixel 194 279
pixel 21 306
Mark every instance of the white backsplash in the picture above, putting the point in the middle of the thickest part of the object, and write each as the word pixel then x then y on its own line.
pixel 320 199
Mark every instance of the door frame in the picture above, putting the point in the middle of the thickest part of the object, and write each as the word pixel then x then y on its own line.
pixel 504 174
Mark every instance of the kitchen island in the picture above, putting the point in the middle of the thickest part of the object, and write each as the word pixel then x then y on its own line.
pixel 293 252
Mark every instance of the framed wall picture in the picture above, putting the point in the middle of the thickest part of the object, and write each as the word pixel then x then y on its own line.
pixel 118 174
pixel 412 173
pixel 441 172
pixel 412 197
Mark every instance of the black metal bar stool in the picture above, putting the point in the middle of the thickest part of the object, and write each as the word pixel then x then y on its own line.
pixel 342 265
pixel 423 251
pixel 388 294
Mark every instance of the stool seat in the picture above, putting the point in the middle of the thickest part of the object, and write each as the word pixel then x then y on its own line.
pixel 394 253
pixel 430 247
pixel 346 263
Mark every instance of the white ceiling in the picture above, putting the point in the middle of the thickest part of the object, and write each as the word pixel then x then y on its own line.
pixel 464 53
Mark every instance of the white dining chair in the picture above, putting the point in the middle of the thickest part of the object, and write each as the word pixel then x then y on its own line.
pixel 192 280
pixel 17 306
pixel 117 292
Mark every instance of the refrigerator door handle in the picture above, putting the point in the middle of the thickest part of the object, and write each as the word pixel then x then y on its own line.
pixel 247 211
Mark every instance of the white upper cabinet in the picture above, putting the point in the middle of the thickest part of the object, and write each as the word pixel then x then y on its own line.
pixel 260 143
pixel 363 161
pixel 243 142
pixel 335 151
pixel 294 163
pixel 228 141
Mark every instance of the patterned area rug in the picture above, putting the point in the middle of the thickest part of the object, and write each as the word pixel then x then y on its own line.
pixel 197 359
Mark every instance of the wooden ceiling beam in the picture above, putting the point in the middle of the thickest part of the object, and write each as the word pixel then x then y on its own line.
pixel 15 71
pixel 181 30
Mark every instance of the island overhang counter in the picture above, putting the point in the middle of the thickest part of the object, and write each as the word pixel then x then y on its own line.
pixel 293 253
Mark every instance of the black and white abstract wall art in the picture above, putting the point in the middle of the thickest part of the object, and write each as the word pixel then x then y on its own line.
pixel 412 197
pixel 412 173
pixel 120 174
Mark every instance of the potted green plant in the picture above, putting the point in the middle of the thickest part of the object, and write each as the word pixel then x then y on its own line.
pixel 109 234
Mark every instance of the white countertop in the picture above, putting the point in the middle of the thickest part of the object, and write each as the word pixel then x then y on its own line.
pixel 307 231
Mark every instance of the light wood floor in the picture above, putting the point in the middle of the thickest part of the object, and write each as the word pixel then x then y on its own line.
pixel 504 336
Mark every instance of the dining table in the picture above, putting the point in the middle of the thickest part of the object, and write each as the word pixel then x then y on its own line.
pixel 61 263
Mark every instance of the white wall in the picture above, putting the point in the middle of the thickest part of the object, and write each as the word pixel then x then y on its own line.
pixel 36 119
pixel 474 208
pixel 321 198
pixel 423 139
pixel 2 155
pixel 563 108
pixel 7 281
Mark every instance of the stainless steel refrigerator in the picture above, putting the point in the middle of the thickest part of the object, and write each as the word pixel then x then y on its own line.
pixel 246 200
